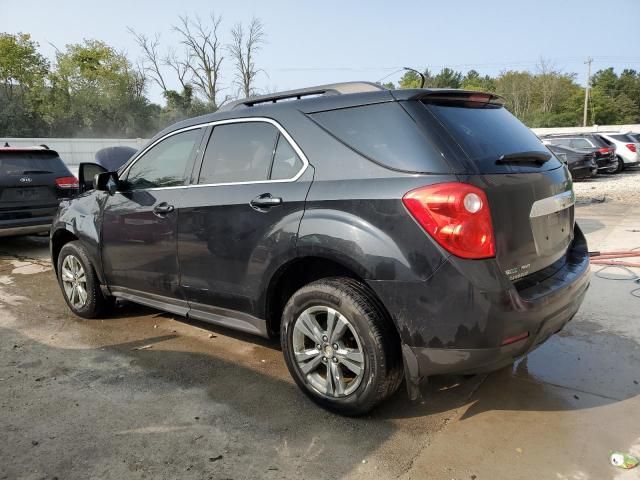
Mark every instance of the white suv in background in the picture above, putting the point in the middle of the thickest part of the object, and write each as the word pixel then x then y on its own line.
pixel 627 147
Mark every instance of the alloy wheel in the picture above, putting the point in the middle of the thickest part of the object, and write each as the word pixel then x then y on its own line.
pixel 328 351
pixel 74 281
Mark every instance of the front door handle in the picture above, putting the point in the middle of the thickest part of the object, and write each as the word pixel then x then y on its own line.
pixel 265 201
pixel 162 209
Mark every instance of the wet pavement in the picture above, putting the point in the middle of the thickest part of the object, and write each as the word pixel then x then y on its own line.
pixel 149 395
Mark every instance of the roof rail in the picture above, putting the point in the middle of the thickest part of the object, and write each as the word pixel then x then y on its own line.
pixel 298 94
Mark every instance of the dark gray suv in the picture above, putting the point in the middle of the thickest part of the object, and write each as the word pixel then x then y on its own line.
pixel 382 235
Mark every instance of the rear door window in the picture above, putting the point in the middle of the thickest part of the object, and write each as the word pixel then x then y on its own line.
pixel 286 163
pixel 580 143
pixel 486 132
pixel 239 152
pixel 30 162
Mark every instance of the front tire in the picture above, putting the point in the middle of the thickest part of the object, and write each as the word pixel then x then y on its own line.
pixel 79 282
pixel 340 347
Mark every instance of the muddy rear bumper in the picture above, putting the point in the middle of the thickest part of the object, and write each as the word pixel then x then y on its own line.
pixel 535 307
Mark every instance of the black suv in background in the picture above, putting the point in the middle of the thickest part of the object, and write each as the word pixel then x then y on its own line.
pixel 581 164
pixel 379 234
pixel 605 154
pixel 32 183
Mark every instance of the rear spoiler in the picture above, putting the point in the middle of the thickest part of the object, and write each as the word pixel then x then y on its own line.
pixel 449 95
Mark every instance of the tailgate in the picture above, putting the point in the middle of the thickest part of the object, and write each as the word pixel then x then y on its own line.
pixel 533 218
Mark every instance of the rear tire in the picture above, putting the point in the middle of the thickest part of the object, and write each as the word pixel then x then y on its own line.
pixel 79 283
pixel 340 346
pixel 620 165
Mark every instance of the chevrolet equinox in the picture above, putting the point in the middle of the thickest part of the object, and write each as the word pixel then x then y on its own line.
pixel 382 235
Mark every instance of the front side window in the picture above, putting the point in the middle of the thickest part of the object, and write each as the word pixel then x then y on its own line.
pixel 166 163
pixel 239 152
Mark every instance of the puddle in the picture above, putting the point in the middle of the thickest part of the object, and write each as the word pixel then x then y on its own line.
pixel 28 268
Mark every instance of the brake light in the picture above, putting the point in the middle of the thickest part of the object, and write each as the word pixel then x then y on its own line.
pixel 67 182
pixel 632 147
pixel 456 215
pixel 604 150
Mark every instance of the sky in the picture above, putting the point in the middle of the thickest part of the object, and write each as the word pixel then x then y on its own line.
pixel 312 43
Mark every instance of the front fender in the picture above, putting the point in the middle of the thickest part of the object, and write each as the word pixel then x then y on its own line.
pixel 81 218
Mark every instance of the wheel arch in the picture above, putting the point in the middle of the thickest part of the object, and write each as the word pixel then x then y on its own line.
pixel 301 271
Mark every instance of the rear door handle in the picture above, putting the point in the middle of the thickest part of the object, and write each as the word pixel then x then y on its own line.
pixel 162 209
pixel 265 201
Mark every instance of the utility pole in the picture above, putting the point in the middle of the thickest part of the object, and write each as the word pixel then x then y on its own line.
pixel 586 91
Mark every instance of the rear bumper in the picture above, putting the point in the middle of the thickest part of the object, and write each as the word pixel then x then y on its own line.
pixel 460 318
pixel 583 172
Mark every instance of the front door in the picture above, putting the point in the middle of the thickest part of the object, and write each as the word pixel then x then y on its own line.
pixel 140 221
pixel 240 220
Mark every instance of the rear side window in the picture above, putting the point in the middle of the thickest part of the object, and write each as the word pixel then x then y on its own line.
pixel 386 134
pixel 165 164
pixel 239 152
pixel 486 132
pixel 31 162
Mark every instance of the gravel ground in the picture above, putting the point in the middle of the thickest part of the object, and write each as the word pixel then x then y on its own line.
pixel 623 188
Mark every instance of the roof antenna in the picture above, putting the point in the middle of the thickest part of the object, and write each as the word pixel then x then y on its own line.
pixel 6 144
pixel 419 73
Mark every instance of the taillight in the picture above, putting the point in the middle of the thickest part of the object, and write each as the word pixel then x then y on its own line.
pixel 456 215
pixel 67 182
pixel 604 150
pixel 632 147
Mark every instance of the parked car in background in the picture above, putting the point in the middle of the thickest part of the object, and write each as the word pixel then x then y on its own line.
pixel 586 142
pixel 627 148
pixel 380 234
pixel 33 181
pixel 581 164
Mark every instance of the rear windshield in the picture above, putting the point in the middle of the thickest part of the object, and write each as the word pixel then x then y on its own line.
pixel 25 162
pixel 622 138
pixel 486 132
pixel 385 134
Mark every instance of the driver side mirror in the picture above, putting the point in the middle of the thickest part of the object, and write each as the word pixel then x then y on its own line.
pixel 106 182
pixel 86 172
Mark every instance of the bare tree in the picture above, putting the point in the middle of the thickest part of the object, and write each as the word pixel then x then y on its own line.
pixel 243 49
pixel 205 54
pixel 180 66
pixel 151 57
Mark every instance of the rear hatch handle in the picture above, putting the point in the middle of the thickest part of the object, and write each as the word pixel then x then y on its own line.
pixel 533 156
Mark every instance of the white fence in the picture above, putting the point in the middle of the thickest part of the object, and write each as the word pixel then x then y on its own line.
pixel 75 150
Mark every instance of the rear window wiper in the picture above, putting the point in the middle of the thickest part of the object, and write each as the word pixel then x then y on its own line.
pixel 533 156
pixel 27 172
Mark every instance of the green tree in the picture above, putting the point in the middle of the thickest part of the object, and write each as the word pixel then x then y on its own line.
pixel 22 85
pixel 95 91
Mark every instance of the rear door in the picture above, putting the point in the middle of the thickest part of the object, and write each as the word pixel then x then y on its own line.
pixel 531 201
pixel 240 219
pixel 32 182
pixel 139 248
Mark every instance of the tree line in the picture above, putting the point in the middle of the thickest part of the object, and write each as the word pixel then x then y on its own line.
pixel 547 97
pixel 90 89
